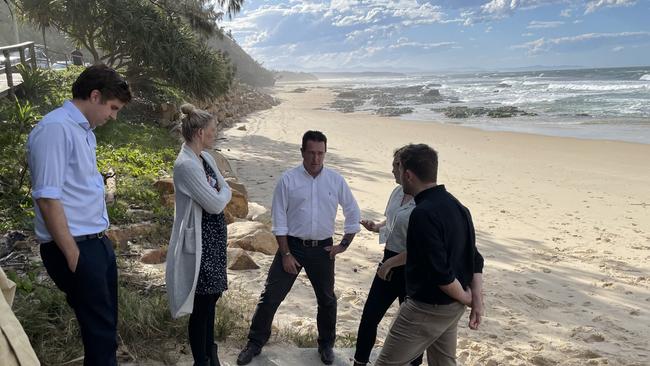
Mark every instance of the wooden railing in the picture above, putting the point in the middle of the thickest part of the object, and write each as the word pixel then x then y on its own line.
pixel 9 66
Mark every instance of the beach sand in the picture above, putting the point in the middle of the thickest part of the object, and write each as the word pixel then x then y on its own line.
pixel 563 224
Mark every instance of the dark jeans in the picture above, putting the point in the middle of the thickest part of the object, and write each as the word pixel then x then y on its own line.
pixel 381 296
pixel 201 328
pixel 91 291
pixel 320 271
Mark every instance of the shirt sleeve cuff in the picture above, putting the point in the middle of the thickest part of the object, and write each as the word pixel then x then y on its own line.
pixel 280 231
pixel 47 192
pixel 352 229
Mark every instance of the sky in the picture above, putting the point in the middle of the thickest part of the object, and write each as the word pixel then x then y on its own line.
pixel 418 35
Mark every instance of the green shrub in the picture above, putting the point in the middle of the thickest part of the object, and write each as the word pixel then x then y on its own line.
pixel 138 154
pixel 16 120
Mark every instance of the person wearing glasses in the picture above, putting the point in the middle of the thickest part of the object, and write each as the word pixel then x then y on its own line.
pixel 389 283
pixel 196 260
pixel 70 211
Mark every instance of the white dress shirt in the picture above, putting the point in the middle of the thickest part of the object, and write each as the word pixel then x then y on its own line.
pixel 305 206
pixel 63 166
pixel 397 221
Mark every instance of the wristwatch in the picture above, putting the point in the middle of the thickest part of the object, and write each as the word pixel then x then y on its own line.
pixel 344 243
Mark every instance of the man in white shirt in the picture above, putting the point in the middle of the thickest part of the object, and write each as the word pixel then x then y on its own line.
pixel 70 211
pixel 305 202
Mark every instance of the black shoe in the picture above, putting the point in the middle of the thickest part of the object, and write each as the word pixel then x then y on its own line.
pixel 247 354
pixel 326 355
pixel 357 363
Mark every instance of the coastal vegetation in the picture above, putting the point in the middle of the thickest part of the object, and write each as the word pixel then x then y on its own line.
pixel 181 58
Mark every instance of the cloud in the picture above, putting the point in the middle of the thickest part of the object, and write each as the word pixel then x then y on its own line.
pixel 566 13
pixel 535 24
pixel 618 48
pixel 585 41
pixel 405 43
pixel 499 9
pixel 594 5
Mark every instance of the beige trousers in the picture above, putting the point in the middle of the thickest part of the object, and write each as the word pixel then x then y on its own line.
pixel 419 327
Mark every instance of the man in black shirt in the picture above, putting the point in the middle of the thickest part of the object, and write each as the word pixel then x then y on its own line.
pixel 443 268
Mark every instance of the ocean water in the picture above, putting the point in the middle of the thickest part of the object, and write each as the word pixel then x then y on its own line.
pixel 607 103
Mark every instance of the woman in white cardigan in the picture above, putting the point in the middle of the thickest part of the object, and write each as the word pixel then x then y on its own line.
pixel 196 259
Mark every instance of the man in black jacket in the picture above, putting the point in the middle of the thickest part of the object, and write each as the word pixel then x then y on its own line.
pixel 443 268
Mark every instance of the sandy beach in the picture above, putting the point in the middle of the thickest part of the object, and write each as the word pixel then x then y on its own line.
pixel 563 224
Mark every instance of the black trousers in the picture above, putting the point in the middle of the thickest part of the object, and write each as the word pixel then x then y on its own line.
pixel 381 296
pixel 91 291
pixel 320 271
pixel 201 329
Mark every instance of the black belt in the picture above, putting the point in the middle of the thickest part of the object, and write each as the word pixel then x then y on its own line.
pixel 311 243
pixel 81 238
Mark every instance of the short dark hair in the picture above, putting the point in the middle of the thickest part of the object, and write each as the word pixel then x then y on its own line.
pixel 421 160
pixel 104 79
pixel 313 136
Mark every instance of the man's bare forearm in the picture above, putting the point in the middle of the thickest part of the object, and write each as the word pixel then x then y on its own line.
pixel 283 243
pixel 477 287
pixel 348 238
pixel 57 225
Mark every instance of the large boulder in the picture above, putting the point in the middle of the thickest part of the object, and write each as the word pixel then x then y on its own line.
pixel 253 236
pixel 164 185
pixel 154 256
pixel 238 205
pixel 223 164
pixel 234 184
pixel 259 213
pixel 239 260
pixel 151 232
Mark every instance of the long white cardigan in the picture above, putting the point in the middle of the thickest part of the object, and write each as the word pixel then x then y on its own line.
pixel 193 195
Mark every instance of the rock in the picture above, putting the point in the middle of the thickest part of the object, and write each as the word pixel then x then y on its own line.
pixel 462 111
pixel 241 128
pixel 8 241
pixel 503 85
pixel 155 233
pixel 110 187
pixel 223 164
pixel 346 106
pixel 239 260
pixel 431 96
pixel 238 205
pixel 253 236
pixel 234 184
pixel 169 114
pixel 256 212
pixel 154 256
pixel 383 100
pixel 168 200
pixel 298 90
pixel 23 244
pixel 228 217
pixel 394 111
pixel 164 185
pixel 348 95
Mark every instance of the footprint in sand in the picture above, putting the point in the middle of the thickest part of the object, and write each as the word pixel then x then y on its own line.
pixel 540 360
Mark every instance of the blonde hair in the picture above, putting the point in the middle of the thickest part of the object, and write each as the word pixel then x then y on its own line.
pixel 194 120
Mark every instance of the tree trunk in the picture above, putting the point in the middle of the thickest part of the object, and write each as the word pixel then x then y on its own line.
pixel 47 56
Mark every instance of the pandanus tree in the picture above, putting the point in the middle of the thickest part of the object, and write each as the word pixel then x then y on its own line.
pixel 154 41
